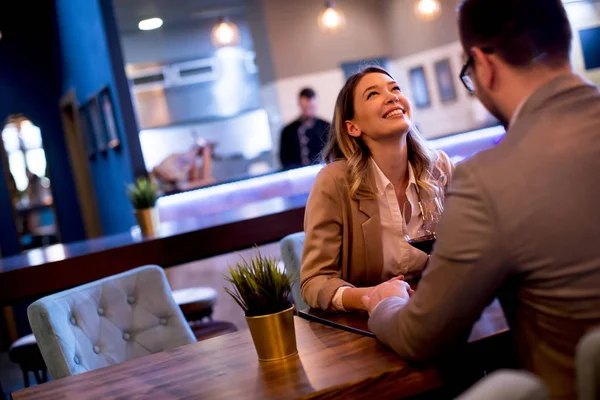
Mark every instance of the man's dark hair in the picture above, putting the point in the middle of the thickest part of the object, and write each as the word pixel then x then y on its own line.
pixel 308 93
pixel 519 31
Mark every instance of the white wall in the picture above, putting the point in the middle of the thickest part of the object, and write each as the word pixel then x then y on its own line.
pixel 463 114
pixel 583 15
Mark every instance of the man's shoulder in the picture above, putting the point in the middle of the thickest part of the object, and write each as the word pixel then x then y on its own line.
pixel 322 122
pixel 483 165
pixel 291 127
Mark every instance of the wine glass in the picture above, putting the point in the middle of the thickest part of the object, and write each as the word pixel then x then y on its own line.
pixel 420 222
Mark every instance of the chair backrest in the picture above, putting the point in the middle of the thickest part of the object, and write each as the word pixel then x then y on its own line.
pixel 109 321
pixel 507 384
pixel 291 253
pixel 588 366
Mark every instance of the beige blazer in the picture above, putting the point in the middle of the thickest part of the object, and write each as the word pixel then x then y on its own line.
pixel 343 245
pixel 521 222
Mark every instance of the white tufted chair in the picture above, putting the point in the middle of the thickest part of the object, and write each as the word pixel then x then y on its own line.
pixel 107 322
pixel 291 252
pixel 587 365
pixel 507 385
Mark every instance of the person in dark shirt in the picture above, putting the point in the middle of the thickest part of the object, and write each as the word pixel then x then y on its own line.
pixel 302 140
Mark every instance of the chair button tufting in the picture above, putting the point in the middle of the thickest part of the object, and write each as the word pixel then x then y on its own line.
pixel 96 349
pixel 100 311
pixel 76 360
pixel 163 321
pixel 126 336
pixel 73 320
pixel 130 300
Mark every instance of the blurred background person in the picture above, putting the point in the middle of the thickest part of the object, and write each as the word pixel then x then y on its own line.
pixel 303 139
pixel 180 171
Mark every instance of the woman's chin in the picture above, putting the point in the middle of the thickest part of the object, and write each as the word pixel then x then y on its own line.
pixel 400 128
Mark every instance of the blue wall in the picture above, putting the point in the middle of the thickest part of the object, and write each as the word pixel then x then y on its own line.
pixel 88 67
pixel 30 83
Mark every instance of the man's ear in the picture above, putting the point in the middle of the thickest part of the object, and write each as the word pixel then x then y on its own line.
pixel 352 129
pixel 485 67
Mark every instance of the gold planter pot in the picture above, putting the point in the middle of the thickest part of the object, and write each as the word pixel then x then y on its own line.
pixel 274 335
pixel 148 220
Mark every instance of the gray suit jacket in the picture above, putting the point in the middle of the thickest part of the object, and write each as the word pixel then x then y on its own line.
pixel 522 222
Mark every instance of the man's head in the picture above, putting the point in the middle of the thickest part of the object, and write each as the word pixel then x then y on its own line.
pixel 307 101
pixel 508 42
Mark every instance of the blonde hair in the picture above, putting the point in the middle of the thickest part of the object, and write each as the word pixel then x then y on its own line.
pixel 341 146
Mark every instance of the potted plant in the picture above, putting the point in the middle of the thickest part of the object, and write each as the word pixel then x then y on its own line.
pixel 143 195
pixel 263 292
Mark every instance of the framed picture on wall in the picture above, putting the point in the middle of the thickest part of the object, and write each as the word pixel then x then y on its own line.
pixel 445 80
pixel 590 45
pixel 420 90
pixel 109 118
pixel 86 132
pixel 352 67
pixel 96 124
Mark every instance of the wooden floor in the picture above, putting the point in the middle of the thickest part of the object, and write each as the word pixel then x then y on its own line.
pixel 209 272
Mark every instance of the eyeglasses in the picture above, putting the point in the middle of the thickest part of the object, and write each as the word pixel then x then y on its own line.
pixel 465 72
pixel 465 76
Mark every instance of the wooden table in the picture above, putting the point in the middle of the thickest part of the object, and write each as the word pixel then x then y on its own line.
pixel 492 322
pixel 39 272
pixel 331 363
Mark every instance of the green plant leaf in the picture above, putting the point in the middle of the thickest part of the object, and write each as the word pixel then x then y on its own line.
pixel 259 287
pixel 142 194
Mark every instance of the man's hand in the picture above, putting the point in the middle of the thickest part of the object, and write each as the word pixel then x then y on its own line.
pixel 391 288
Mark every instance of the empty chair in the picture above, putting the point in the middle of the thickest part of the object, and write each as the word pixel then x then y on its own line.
pixel 587 366
pixel 507 385
pixel 107 322
pixel 291 252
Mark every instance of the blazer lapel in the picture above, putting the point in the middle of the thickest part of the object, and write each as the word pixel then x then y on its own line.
pixel 371 230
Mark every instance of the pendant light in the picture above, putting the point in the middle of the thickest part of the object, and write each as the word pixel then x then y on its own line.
pixel 225 33
pixel 331 19
pixel 428 10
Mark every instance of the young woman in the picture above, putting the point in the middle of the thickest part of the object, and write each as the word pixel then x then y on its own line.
pixel 354 225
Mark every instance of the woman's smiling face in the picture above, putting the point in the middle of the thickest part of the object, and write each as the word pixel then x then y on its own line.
pixel 380 109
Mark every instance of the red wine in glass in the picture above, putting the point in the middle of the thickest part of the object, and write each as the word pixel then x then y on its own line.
pixel 421 226
pixel 423 243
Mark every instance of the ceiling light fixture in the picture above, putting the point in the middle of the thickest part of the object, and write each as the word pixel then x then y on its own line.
pixel 428 10
pixel 150 24
pixel 225 33
pixel 331 19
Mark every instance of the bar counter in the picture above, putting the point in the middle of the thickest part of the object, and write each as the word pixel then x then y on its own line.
pixel 38 272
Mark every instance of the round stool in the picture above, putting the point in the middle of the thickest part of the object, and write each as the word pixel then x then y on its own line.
pixel 196 303
pixel 26 353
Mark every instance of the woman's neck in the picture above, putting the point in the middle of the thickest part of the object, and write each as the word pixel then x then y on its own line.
pixel 392 159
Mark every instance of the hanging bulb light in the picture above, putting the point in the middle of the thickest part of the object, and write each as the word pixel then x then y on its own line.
pixel 428 10
pixel 225 33
pixel 331 19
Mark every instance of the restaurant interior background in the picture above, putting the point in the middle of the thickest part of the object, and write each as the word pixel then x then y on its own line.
pixel 113 101
pixel 90 102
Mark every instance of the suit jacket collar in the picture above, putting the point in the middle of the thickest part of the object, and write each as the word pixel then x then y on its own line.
pixel 545 93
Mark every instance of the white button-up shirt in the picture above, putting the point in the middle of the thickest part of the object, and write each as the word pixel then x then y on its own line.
pixel 399 258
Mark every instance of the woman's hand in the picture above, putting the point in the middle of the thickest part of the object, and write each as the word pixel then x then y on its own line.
pixel 400 278
pixel 392 288
pixel 352 297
